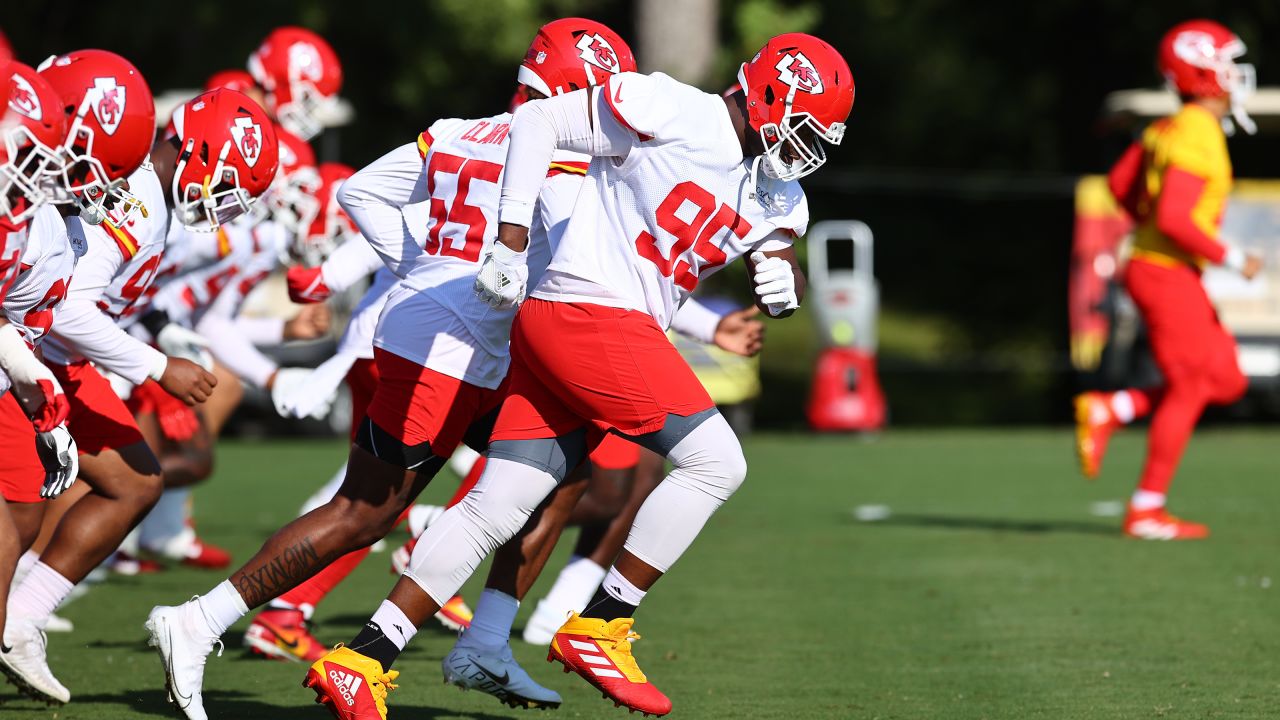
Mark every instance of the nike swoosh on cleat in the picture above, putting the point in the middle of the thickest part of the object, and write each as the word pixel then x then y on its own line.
pixel 179 699
pixel 502 679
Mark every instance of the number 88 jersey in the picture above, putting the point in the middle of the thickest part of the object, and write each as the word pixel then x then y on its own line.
pixel 674 203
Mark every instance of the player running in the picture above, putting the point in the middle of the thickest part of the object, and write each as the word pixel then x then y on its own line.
pixel 105 93
pixel 682 183
pixel 1174 181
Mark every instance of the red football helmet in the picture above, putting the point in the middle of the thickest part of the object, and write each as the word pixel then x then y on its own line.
pixel 227 156
pixel 570 54
pixel 32 127
pixel 1198 58
pixel 291 200
pixel 301 76
pixel 237 80
pixel 331 226
pixel 111 124
pixel 799 92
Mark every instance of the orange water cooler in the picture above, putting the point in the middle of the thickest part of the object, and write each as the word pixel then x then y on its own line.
pixel 843 292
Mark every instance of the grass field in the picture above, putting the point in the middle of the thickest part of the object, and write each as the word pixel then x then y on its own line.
pixel 990 591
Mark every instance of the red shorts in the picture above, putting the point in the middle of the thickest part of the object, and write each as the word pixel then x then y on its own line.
pixel 419 405
pixel 362 380
pixel 615 453
pixel 577 364
pixel 21 474
pixel 150 398
pixel 1189 343
pixel 99 419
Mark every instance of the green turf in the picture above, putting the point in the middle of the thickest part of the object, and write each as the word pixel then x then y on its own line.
pixel 990 592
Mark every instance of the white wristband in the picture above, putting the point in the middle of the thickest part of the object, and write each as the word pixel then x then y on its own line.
pixel 1234 259
pixel 16 359
pixel 159 366
pixel 516 212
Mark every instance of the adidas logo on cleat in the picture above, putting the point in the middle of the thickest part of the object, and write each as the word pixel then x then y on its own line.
pixel 347 685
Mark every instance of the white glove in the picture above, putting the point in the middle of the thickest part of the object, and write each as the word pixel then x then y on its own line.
pixel 187 344
pixel 61 460
pixel 775 283
pixel 502 277
pixel 292 383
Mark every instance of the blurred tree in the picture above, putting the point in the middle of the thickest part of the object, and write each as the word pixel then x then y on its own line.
pixel 677 37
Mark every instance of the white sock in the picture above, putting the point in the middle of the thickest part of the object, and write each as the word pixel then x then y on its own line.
pixel 1147 500
pixel 575 585
pixel 394 623
pixel 491 624
pixel 25 563
pixel 1122 406
pixel 619 588
pixel 420 516
pixel 161 531
pixel 41 592
pixel 221 607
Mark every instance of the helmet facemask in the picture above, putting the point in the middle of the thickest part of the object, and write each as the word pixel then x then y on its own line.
pixel 216 199
pixel 27 163
pixel 305 113
pixel 79 178
pixel 291 200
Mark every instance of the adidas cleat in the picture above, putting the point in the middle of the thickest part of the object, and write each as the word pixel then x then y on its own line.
pixel 1158 524
pixel 24 662
pixel 282 635
pixel 498 674
pixel 350 685
pixel 600 651
pixel 1094 425
pixel 183 653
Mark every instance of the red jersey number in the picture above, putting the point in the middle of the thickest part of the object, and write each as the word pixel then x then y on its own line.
pixel 138 284
pixel 696 234
pixel 40 318
pixel 459 212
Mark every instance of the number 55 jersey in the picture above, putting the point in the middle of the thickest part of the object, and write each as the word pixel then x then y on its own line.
pixel 667 201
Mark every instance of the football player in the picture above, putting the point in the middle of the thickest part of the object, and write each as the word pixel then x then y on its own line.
pixel 218 154
pixel 716 179
pixel 36 260
pixel 1174 181
pixel 298 75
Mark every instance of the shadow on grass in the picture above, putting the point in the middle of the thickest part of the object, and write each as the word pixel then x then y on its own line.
pixel 1024 527
pixel 238 705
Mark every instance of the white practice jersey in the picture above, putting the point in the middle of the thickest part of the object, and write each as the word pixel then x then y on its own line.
pixel 43 276
pixel 112 280
pixel 210 263
pixel 668 200
pixel 452 177
pixel 13 240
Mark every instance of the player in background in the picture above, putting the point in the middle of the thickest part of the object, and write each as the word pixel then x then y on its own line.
pixel 1174 181
pixel 660 148
pixel 299 76
pixel 218 154
pixel 35 257
pixel 204 291
pixel 440 354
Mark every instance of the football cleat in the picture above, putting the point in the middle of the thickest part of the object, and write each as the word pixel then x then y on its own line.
pixel 496 673
pixel 455 614
pixel 125 563
pixel 544 622
pixel 352 686
pixel 205 556
pixel 1094 424
pixel 600 651
pixel 283 635
pixel 23 660
pixel 1158 524
pixel 183 652
pixel 401 556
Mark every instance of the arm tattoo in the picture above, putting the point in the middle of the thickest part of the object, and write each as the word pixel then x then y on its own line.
pixel 284 571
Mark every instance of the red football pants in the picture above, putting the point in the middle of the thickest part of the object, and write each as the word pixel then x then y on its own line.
pixel 1196 355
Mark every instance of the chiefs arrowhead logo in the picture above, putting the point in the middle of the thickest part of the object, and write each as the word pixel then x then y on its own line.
pixel 248 137
pixel 796 70
pixel 107 100
pixel 23 99
pixel 1193 46
pixel 597 51
pixel 304 62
